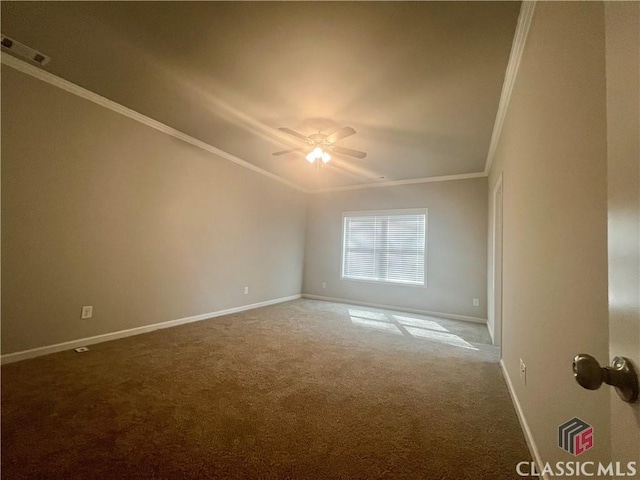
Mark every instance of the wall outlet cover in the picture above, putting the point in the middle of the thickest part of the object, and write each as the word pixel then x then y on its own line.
pixel 523 371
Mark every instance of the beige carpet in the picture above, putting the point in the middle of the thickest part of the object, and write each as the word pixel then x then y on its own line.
pixel 305 389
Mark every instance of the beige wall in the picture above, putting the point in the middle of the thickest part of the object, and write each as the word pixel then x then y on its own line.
pixel 100 210
pixel 456 246
pixel 552 153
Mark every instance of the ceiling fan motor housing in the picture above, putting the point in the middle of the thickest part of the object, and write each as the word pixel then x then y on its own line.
pixel 325 142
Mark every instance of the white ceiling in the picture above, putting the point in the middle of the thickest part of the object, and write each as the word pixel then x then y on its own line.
pixel 419 81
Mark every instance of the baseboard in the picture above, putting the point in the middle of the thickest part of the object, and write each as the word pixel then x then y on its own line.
pixel 81 342
pixel 533 449
pixel 451 316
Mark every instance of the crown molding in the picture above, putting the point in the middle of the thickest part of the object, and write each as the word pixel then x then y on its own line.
pixel 442 178
pixel 517 48
pixel 79 91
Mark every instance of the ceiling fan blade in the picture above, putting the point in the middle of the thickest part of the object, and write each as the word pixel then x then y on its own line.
pixel 295 134
pixel 344 132
pixel 348 151
pixel 291 150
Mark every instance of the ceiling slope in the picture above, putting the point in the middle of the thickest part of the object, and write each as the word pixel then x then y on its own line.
pixel 420 82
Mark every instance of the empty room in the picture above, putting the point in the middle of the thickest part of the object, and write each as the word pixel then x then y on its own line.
pixel 320 240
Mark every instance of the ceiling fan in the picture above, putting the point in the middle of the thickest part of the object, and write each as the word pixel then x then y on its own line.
pixel 320 145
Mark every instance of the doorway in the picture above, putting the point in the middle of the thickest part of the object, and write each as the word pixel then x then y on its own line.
pixel 495 294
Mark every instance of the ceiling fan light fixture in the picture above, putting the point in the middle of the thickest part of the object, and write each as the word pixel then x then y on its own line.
pixel 311 157
pixel 318 142
pixel 317 154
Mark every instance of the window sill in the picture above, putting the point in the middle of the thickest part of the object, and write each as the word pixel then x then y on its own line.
pixel 383 282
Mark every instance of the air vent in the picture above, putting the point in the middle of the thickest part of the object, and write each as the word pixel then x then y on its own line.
pixel 21 50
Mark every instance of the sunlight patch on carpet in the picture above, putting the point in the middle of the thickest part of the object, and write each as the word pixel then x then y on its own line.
pixel 387 327
pixel 408 326
pixel 370 315
pixel 446 338
pixel 419 322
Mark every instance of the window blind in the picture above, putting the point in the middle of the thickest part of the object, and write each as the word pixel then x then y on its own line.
pixel 386 247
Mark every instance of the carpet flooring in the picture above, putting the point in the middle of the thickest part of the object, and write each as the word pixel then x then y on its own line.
pixel 300 390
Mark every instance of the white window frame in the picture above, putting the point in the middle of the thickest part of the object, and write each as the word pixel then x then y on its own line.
pixel 373 213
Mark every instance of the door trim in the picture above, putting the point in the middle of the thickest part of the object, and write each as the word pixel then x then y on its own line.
pixel 495 294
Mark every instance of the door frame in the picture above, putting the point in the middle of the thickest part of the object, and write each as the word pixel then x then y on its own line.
pixel 495 294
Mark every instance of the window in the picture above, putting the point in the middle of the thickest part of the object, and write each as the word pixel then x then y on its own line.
pixel 386 246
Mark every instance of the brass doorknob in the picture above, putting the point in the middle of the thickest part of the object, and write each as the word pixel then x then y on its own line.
pixel 621 375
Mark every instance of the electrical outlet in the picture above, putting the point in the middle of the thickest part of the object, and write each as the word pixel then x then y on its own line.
pixel 476 302
pixel 523 372
pixel 81 349
pixel 246 290
pixel 324 284
pixel 87 312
